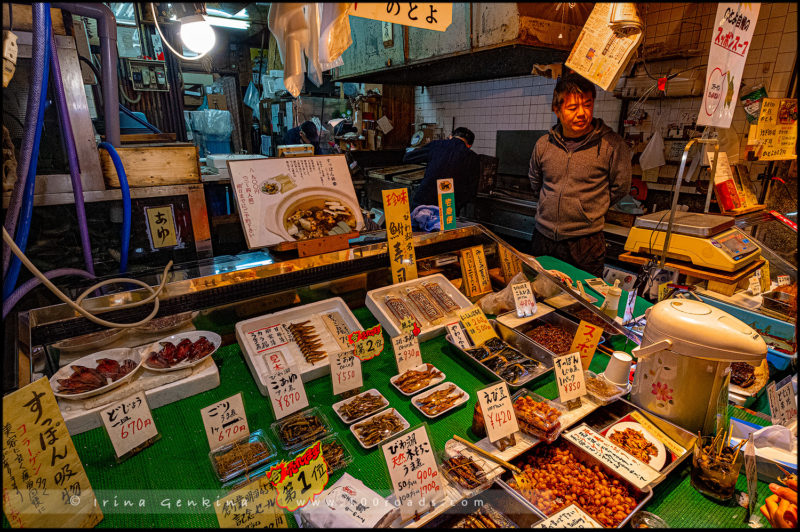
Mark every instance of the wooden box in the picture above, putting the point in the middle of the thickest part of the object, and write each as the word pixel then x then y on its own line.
pixel 154 165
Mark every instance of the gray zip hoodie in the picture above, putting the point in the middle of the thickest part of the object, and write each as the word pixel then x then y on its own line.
pixel 574 189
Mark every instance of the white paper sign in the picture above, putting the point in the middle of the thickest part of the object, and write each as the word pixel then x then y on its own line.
pixel 416 481
pixel 384 123
pixel 406 352
pixel 784 280
pixel 731 37
pixel 345 372
pixel 569 517
pixel 225 421
pixel 751 474
pixel 569 376
pixel 286 392
pixel 755 285
pixel 129 423
pixel 459 335
pixel 782 403
pixel 619 460
pixel 524 300
pixel 498 412
pixel 629 305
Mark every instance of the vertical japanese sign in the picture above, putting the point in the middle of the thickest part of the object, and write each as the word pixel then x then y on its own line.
pixel 458 334
pixel 429 16
pixel 475 272
pixel 732 32
pixel 569 377
pixel 447 204
pixel 524 300
pixel 782 402
pixel 509 263
pixel 286 392
pixel 252 506
pixel 775 135
pixel 161 226
pixel 398 235
pixel 129 424
pixel 44 483
pixel 585 342
pixel 300 479
pixel 225 421
pixel 498 413
pixel 345 372
pixel 337 327
pixel 413 471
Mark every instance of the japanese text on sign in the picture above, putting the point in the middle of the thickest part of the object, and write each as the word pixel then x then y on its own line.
pixel 569 517
pixel 475 272
pixel 266 338
pixel 784 280
pixel 337 327
pixel 409 325
pixel 252 506
pixel 129 423
pixel 275 361
pixel 415 476
pixel 225 421
pixel 447 204
pixel 754 286
pixel 775 135
pixel 406 352
pixel 458 334
pixel 286 392
pixel 367 344
pixel 751 474
pixel 44 483
pixel 524 301
pixel 569 377
pixel 432 16
pixel 345 372
pixel 477 326
pixel 399 235
pixel 782 402
pixel 299 480
pixel 161 225
pixel 498 413
pixel 509 263
pixel 585 342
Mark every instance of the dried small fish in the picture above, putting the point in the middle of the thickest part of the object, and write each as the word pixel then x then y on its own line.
pixel 361 405
pixel 301 428
pixel 439 401
pixel 413 380
pixel 378 428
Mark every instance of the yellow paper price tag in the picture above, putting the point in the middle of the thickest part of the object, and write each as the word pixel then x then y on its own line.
pixel 478 327
pixel 410 325
pixel 399 235
pixel 367 344
pixel 475 272
pixel 585 342
pixel 299 480
pixel 765 280
pixel 252 506
pixel 161 225
pixel 663 288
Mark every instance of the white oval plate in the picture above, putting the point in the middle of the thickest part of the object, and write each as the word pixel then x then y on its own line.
pixel 214 338
pixel 421 367
pixel 90 361
pixel 403 421
pixel 89 341
pixel 342 402
pixel 416 398
pixel 657 461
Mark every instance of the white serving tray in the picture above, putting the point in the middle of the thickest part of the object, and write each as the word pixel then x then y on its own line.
pixel 336 406
pixel 290 352
pixel 376 304
pixel 423 395
pixel 421 367
pixel 405 424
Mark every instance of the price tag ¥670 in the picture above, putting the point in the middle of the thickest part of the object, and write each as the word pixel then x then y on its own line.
pixel 286 392
pixel 129 424
pixel 406 352
pixel 345 372
pixel 569 377
pixel 225 421
pixel 524 300
pixel 498 412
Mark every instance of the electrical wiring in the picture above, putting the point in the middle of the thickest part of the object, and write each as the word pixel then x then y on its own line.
pixel 76 305
pixel 164 39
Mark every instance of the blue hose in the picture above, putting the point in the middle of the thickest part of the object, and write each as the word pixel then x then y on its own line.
pixel 126 205
pixel 27 201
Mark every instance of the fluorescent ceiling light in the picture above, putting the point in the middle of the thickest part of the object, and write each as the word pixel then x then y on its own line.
pixel 220 13
pixel 227 22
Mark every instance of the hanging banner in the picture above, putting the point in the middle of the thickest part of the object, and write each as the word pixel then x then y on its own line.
pixel 431 16
pixel 732 32
pixel 775 135
pixel 399 235
pixel 447 204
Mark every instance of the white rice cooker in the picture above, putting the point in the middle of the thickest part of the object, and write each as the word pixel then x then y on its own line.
pixel 683 364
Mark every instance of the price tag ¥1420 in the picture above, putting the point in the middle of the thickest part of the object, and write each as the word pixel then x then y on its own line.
pixel 345 372
pixel 286 392
pixel 129 424
pixel 225 421
pixel 498 412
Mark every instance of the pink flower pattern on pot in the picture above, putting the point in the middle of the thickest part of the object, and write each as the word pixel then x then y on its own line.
pixel 662 391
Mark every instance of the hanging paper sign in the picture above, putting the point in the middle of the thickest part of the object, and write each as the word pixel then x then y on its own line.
pixel 225 421
pixel 433 16
pixel 161 226
pixel 498 413
pixel 751 474
pixel 129 424
pixel 732 33
pixel 569 377
pixel 345 372
pixel 413 471
pixel 406 352
pixel 286 392
pixel 585 342
pixel 569 517
pixel 775 135
pixel 44 483
pixel 252 506
pixel 399 235
pixel 524 301
pixel 458 334
pixel 447 204
pixel 475 272
pixel 338 328
pixel 367 344
pixel 299 480
pixel 477 326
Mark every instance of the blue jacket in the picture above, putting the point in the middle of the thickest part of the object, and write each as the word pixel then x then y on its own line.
pixel 448 158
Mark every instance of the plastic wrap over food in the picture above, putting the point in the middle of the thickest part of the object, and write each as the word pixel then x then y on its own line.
pixel 502 301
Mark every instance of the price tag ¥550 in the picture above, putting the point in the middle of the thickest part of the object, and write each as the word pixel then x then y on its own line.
pixel 345 372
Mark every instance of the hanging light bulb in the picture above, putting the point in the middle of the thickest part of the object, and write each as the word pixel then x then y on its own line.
pixel 197 34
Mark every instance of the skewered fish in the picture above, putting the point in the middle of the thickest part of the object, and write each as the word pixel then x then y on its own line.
pixel 465 471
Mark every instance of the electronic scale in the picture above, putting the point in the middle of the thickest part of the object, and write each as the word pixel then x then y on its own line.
pixel 705 240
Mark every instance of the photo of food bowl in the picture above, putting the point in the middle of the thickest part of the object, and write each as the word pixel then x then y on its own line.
pixel 316 213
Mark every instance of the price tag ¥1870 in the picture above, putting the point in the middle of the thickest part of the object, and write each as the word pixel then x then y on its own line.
pixel 225 421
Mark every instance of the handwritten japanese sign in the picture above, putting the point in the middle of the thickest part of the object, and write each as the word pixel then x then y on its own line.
pixel 399 235
pixel 776 132
pixel 300 479
pixel 446 195
pixel 286 392
pixel 524 301
pixel 477 326
pixel 784 280
pixel 570 517
pixel 754 285
pixel 129 423
pixel 510 264
pixel 498 413
pixel 367 344
pixel 431 16
pixel 161 225
pixel 569 377
pixel 268 337
pixel 275 361
pixel 782 402
pixel 751 474
pixel 406 352
pixel 629 306
pixel 585 342
pixel 337 327
pixel 345 372
pixel 225 421
pixel 44 483
pixel 252 506
pixel 475 272
pixel 458 334
pixel 414 473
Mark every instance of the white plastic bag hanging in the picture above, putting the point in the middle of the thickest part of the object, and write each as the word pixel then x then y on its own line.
pixel 288 23
pixel 312 46
pixel 653 154
pixel 334 33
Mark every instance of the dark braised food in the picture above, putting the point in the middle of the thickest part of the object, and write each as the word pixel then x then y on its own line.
pixel 301 428
pixel 478 353
pixel 556 339
pixel 588 316
pixel 361 406
pixel 465 471
pixel 85 379
pixel 378 428
pixel 186 350
pixel 334 454
pixel 494 344
pixel 742 374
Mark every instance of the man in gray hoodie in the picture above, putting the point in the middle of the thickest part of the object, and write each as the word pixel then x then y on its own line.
pixel 577 171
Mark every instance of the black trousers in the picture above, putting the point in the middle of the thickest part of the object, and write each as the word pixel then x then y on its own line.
pixel 585 252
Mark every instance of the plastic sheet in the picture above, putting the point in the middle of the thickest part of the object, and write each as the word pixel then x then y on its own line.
pixel 288 24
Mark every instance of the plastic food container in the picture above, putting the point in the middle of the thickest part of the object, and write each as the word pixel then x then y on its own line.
pixel 403 426
pixel 543 420
pixel 243 480
pixel 416 400
pixel 601 390
pixel 241 456
pixel 421 367
pixel 334 452
pixel 320 427
pixel 470 474
pixel 336 406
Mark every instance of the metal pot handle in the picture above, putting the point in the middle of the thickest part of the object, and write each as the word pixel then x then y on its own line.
pixel 640 352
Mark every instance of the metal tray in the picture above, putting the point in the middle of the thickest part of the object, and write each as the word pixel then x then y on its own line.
pixel 641 496
pixel 569 312
pixel 495 496
pixel 519 341
pixel 553 318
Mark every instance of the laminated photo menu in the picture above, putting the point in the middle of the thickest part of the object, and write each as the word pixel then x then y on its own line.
pixel 295 198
